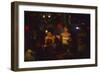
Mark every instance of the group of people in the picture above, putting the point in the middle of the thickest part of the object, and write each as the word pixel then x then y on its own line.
pixel 63 37
pixel 55 47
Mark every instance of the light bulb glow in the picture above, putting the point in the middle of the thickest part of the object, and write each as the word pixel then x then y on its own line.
pixel 43 16
pixel 49 16
pixel 77 28
pixel 46 31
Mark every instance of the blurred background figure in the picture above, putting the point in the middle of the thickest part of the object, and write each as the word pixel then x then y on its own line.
pixel 65 36
pixel 49 39
pixel 29 55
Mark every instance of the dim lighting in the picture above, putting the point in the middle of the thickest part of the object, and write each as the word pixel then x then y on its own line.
pixel 43 16
pixel 77 28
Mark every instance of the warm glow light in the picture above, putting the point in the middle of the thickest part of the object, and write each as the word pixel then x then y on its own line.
pixel 46 31
pixel 43 16
pixel 49 16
